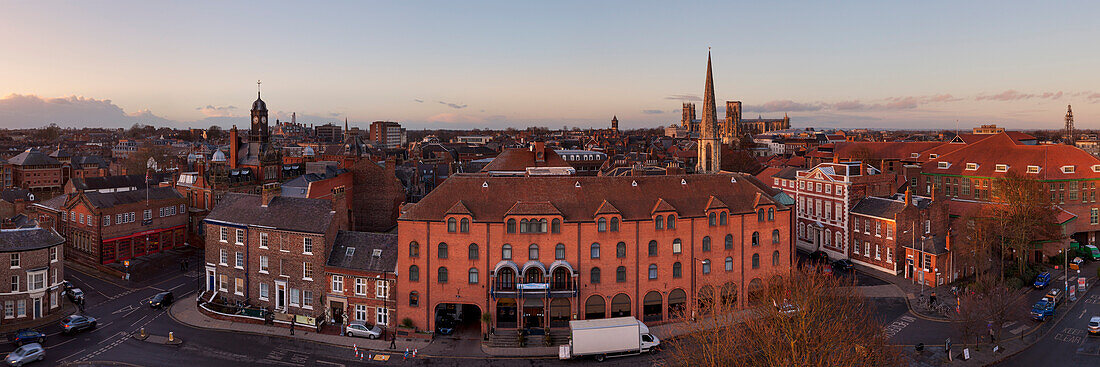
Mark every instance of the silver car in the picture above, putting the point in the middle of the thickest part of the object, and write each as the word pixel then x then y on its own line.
pixel 26 354
pixel 361 329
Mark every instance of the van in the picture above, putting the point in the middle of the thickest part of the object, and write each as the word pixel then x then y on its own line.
pixel 1091 252
pixel 1055 296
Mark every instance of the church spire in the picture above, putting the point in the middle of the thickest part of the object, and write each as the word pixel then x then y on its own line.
pixel 710 111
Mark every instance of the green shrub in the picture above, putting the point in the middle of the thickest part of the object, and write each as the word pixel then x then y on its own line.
pixel 408 322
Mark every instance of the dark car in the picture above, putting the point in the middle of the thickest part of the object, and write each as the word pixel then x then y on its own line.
pixel 161 299
pixel 819 256
pixel 1042 280
pixel 445 327
pixel 843 264
pixel 77 323
pixel 24 336
pixel 75 294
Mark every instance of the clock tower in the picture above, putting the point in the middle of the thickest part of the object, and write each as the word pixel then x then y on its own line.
pixel 259 132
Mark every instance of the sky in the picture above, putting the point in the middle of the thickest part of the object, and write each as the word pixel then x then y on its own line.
pixel 496 64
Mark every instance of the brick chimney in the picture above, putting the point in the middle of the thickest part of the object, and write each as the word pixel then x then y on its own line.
pixel 908 197
pixel 539 147
pixel 947 241
pixel 268 193
pixel 391 165
pixel 234 145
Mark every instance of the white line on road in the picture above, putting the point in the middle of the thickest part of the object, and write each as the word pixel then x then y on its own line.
pixel 125 309
pixel 177 286
pixel 138 320
pixel 1083 311
pixel 330 363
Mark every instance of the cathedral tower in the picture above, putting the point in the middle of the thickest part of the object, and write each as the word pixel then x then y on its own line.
pixel 710 148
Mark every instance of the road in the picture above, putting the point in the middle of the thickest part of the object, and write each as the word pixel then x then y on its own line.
pixel 1068 343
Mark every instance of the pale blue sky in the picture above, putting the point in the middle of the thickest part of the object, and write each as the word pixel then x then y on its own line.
pixel 576 63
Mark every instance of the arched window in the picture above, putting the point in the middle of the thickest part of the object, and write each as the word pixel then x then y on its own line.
pixel 473 254
pixel 559 252
pixel 594 276
pixel 533 252
pixel 542 226
pixel 760 215
pixel 677 246
pixel 442 252
pixel 671 223
pixel 524 226
pixel 775 236
pixel 555 225
pixel 771 214
pixel 706 266
pixel 414 249
pixel 706 243
pixel 451 225
pixel 595 250
pixel 723 218
pixel 511 226
pixel 442 276
pixel 712 219
pixel 506 252
pixel 652 271
pixel 614 224
pixel 756 261
pixel 414 273
pixel 677 270
pixel 620 250
pixel 659 222
pixel 755 239
pixel 620 274
pixel 729 242
pixel 464 225
pixel 652 247
pixel 473 275
pixel 729 263
pixel 775 258
pixel 601 225
pixel 506 279
pixel 414 299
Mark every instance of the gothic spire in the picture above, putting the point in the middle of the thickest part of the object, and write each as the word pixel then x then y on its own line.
pixel 710 111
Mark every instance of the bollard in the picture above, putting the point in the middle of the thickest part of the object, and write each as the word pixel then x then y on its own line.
pixel 142 332
pixel 171 338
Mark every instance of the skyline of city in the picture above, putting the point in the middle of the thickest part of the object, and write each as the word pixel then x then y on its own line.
pixel 851 65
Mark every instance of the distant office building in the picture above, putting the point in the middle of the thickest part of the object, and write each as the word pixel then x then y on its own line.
pixel 989 129
pixel 388 133
pixel 329 133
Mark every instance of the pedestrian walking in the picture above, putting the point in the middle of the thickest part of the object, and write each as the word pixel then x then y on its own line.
pixel 932 300
pixel 292 324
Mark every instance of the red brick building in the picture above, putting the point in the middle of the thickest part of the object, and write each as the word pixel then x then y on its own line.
pixel 824 196
pixel 35 268
pixel 36 171
pixel 106 227
pixel 361 270
pixel 903 235
pixel 539 251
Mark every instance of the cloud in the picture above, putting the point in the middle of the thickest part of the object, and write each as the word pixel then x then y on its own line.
pixel 216 111
pixel 652 112
pixel 453 105
pixel 852 105
pixel 783 106
pixel 1093 97
pixel 418 100
pixel 20 111
pixel 1014 95
pixel 685 97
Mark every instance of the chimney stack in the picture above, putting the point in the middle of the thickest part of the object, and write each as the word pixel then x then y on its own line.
pixel 234 145
pixel 539 147
pixel 268 193
pixel 908 197
pixel 391 165
pixel 947 241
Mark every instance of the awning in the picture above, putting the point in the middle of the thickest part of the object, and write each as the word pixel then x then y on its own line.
pixel 533 302
pixel 561 263
pixel 506 264
pixel 534 264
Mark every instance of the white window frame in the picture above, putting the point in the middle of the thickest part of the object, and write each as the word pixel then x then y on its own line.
pixel 307 299
pixel 943 165
pixel 263 240
pixel 264 291
pixel 360 286
pixel 307 245
pixel 361 313
pixel 1000 167
pixel 238 286
pixel 238 260
pixel 264 264
pixel 1069 169
pixel 1034 169
pixel 338 283
pixel 147 214
pixel 307 265
pixel 382 316
pixel 381 288
pixel 971 166
pixel 240 237
pixel 36 277
pixel 223 234
pixel 223 257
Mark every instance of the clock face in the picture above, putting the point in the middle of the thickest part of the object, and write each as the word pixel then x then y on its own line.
pixel 256 119
pixel 264 119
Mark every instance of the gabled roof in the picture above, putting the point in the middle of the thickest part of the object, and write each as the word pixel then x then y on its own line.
pixel 533 208
pixel 715 203
pixel 309 215
pixel 518 159
pixel 458 208
pixel 878 207
pixel 662 206
pixel 33 157
pixel 607 208
pixel 1002 149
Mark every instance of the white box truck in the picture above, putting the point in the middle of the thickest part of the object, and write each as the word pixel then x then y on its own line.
pixel 602 338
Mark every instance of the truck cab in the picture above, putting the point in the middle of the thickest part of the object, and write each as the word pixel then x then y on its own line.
pixel 1091 252
pixel 649 342
pixel 1042 310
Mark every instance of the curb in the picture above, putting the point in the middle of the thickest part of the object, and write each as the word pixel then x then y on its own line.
pixel 1091 280
pixel 908 301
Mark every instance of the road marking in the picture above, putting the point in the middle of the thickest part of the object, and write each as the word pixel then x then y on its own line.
pixel 1083 311
pixel 331 363
pixel 126 309
pixel 139 320
pixel 177 286
pixel 122 337
pixel 908 318
pixel 895 327
pixel 1018 329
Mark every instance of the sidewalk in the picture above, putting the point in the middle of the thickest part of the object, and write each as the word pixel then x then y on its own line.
pixel 186 311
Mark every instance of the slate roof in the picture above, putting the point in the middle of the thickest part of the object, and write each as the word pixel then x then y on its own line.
pixel 32 157
pixel 114 182
pixel 110 199
pixel 878 207
pixel 688 194
pixel 458 208
pixel 293 214
pixel 607 208
pixel 83 160
pixel 362 257
pixel 901 150
pixel 519 159
pixel 55 202
pixel 11 195
pixel 23 239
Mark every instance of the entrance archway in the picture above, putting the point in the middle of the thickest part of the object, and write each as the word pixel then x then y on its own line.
pixel 677 301
pixel 651 306
pixel 534 311
pixel 559 312
pixel 620 305
pixel 462 320
pixel 506 313
pixel 594 308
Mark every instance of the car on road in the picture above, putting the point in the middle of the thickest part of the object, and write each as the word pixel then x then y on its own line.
pixel 819 256
pixel 1042 280
pixel 1055 296
pixel 161 299
pixel 844 264
pixel 1091 252
pixel 445 327
pixel 25 336
pixel 66 285
pixel 75 294
pixel 361 329
pixel 1042 310
pixel 77 323
pixel 25 354
pixel 1094 325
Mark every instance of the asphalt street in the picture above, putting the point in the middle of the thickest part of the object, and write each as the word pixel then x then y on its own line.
pixel 1068 343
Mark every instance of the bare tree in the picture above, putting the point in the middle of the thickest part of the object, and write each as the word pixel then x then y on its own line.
pixel 802 320
pixel 1024 214
pixel 988 304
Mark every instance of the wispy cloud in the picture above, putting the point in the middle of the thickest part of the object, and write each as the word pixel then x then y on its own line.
pixel 418 100
pixel 783 106
pixel 1014 95
pixel 685 97
pixel 653 112
pixel 453 105
pixel 217 111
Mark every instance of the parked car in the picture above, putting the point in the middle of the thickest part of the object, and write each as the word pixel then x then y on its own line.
pixel 25 336
pixel 361 329
pixel 161 299
pixel 1042 310
pixel 445 327
pixel 26 354
pixel 844 264
pixel 1055 296
pixel 1094 325
pixel 77 323
pixel 66 285
pixel 819 256
pixel 1091 252
pixel 75 294
pixel 1042 280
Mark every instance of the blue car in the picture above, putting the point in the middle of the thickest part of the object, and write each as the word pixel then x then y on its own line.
pixel 1042 310
pixel 1042 280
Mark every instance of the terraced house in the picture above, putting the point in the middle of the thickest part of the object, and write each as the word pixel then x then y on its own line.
pixel 536 252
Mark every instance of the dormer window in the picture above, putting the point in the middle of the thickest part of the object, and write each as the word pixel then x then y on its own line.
pixel 914 155
pixel 1033 169
pixel 933 155
pixel 971 166
pixel 943 165
pixel 1001 168
pixel 1096 168
pixel 1069 169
